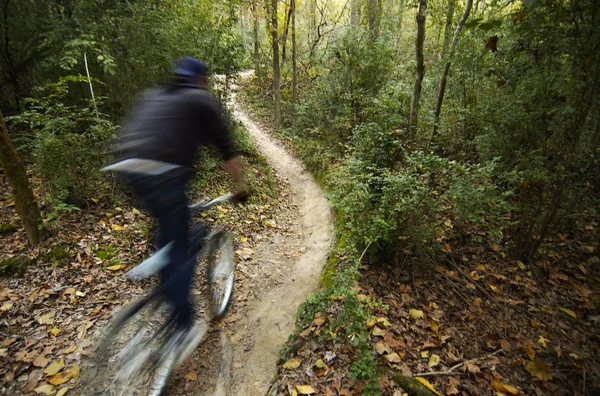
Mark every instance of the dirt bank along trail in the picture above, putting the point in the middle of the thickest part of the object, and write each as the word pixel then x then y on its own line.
pixel 239 355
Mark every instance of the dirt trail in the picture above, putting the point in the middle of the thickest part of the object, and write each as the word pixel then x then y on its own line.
pixel 269 320
pixel 240 355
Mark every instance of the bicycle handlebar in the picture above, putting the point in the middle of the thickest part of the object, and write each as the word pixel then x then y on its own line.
pixel 207 204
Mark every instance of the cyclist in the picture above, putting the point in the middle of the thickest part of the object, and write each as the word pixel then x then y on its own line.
pixel 158 145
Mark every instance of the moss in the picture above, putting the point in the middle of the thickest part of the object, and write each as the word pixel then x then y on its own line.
pixel 7 228
pixel 13 265
pixel 58 255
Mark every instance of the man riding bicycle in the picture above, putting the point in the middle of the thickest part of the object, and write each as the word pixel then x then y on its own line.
pixel 158 146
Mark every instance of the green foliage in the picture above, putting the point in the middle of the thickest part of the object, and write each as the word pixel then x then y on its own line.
pixel 59 255
pixel 13 265
pixel 406 208
pixel 58 211
pixel 7 228
pixel 69 142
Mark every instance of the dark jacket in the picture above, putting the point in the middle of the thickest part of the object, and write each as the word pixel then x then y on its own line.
pixel 169 124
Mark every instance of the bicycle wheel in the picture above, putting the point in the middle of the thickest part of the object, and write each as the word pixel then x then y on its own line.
pixel 220 272
pixel 129 352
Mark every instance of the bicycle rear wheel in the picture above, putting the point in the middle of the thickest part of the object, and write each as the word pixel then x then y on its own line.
pixel 220 273
pixel 128 354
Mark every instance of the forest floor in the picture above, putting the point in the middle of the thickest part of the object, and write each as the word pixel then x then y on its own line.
pixel 58 304
pixel 475 321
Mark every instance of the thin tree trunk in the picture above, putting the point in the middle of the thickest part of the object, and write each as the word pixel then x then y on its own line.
pixel 442 90
pixel 87 72
pixel 414 108
pixel 276 71
pixel 374 14
pixel 400 25
pixel 255 38
pixel 355 12
pixel 294 60
pixel 25 202
pixel 448 28
pixel 286 29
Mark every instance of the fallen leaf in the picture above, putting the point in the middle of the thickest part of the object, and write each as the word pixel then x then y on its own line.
pixel 47 318
pixel 521 265
pixel 318 321
pixel 382 348
pixel 416 314
pixel 434 325
pixel 320 363
pixel 427 385
pixel 393 357
pixel 40 361
pixel 62 391
pixel 3 352
pixel 243 239
pixel 530 351
pixel 569 312
pixel 474 275
pixel 434 360
pixel 292 363
pixel 6 306
pixel 46 389
pixel 425 354
pixel 378 331
pixel 539 369
pixel 54 367
pixel 58 379
pixel 73 371
pixel 504 388
pixel 305 389
pixel 384 322
pixel 472 368
pixel 116 267
pixel 55 331
pixel 70 349
pixel 191 375
pixel 543 341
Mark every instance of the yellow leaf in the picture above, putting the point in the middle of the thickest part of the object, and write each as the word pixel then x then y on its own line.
pixel 504 388
pixel 494 288
pixel 305 389
pixel 62 391
pixel 434 326
pixel 474 275
pixel 46 389
pixel 54 367
pixel 320 363
pixel 6 306
pixel 416 314
pixel 74 371
pixel 392 357
pixel 424 354
pixel 434 360
pixel 371 323
pixel 55 331
pixel 521 265
pixel 378 331
pixel 70 349
pixel 480 267
pixel 543 341
pixel 269 224
pixel 427 385
pixel 569 312
pixel 292 363
pixel 117 227
pixel 433 305
pixel 530 352
pixel 191 375
pixel 539 369
pixel 244 239
pixel 384 322
pixel 58 379
pixel 116 267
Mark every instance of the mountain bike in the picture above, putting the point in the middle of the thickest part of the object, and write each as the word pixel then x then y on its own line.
pixel 142 345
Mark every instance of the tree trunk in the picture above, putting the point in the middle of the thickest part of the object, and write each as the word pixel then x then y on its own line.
pixel 448 28
pixel 355 12
pixel 294 60
pixel 255 38
pixel 374 14
pixel 276 71
pixel 400 26
pixel 25 203
pixel 286 29
pixel 442 90
pixel 414 108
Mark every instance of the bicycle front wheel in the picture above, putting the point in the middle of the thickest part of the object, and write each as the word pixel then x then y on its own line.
pixel 220 272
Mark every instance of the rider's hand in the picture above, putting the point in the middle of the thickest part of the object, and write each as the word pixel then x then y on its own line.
pixel 241 196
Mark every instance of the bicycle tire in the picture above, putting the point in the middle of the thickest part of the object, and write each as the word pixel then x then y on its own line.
pixel 220 268
pixel 124 363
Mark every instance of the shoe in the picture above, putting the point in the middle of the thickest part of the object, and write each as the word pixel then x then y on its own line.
pixel 189 340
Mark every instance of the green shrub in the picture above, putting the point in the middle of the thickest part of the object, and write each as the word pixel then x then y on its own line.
pixel 13 265
pixel 7 228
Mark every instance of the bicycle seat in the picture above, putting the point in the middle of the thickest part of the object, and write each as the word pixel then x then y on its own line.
pixel 152 265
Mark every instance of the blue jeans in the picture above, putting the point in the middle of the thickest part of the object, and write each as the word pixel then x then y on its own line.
pixel 164 196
